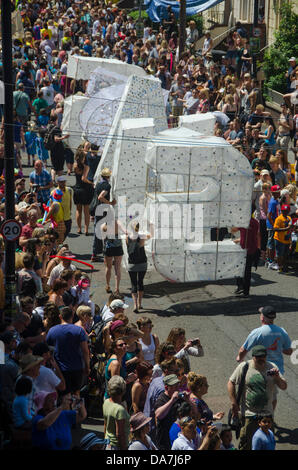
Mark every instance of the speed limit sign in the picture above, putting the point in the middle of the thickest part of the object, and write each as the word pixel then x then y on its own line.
pixel 11 230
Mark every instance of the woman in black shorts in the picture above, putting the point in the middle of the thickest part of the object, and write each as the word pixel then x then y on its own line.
pixel 113 251
pixel 57 151
pixel 82 191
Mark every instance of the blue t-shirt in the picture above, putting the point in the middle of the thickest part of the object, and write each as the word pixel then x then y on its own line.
pixel 58 435
pixel 67 339
pixel 21 411
pixel 263 441
pixel 273 209
pixel 274 338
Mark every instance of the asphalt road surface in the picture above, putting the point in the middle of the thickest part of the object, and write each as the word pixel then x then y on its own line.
pixel 221 321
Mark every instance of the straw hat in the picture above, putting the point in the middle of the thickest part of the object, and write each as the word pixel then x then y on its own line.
pixel 28 361
pixel 106 172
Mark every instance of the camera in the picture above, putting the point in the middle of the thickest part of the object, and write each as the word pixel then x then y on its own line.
pixel 181 396
pixel 271 372
pixel 195 342
pixel 34 188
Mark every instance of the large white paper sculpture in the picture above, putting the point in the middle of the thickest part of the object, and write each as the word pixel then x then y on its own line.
pixel 142 98
pixel 218 183
pixel 73 106
pixel 202 123
pixel 81 68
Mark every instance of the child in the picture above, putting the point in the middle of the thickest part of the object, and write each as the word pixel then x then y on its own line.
pixel 22 416
pixel 30 140
pixel 43 118
pixel 82 292
pixel 42 152
pixel 226 439
pixel 263 438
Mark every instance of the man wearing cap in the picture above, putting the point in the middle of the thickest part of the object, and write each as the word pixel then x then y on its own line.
pixel 282 236
pixel 166 407
pixel 66 202
pixel 102 190
pixel 117 306
pixel 9 370
pixel 261 379
pixel 275 339
pixel 272 214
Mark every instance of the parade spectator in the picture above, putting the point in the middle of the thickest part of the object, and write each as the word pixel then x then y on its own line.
pixel 259 392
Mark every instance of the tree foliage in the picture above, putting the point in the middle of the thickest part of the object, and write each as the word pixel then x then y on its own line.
pixel 285 46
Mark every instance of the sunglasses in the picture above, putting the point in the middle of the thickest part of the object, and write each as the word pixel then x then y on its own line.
pixel 186 420
pixel 121 345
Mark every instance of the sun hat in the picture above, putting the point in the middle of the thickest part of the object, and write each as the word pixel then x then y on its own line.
pixel 39 398
pixel 116 324
pixel 106 172
pixel 285 207
pixel 28 361
pixel 170 380
pixel 90 440
pixel 61 178
pixel 138 421
pixel 118 303
pixel 259 351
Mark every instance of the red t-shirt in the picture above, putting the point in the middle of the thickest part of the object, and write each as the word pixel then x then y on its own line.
pixel 27 230
pixel 249 237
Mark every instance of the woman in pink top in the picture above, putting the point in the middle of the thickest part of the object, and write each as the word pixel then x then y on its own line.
pixel 263 204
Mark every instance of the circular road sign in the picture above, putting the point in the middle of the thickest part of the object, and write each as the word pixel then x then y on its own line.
pixel 11 230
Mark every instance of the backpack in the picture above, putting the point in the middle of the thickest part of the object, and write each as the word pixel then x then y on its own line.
pixel 28 287
pixel 48 139
pixel 97 344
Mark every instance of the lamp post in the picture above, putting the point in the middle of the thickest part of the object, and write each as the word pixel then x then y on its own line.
pixel 182 26
pixel 10 279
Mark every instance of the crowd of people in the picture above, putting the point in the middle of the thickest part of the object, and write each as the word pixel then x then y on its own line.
pixel 60 341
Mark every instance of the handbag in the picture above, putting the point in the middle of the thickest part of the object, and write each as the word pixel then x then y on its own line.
pixel 234 421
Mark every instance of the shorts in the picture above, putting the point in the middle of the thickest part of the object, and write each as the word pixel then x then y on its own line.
pixel 73 381
pixel 281 248
pixel 113 251
pixel 271 241
pixel 69 155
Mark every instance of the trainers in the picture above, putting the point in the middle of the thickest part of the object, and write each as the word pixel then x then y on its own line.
pixel 274 266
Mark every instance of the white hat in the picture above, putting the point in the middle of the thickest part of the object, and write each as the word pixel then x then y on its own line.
pixel 264 172
pixel 61 178
pixel 118 303
pixel 292 59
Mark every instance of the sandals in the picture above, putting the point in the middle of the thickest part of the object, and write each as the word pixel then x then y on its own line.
pixel 108 290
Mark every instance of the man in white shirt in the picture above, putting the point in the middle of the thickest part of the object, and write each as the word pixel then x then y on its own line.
pixel 48 92
pixel 64 264
pixel 117 306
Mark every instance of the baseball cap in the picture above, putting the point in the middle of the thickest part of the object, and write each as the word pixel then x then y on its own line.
pixel 90 440
pixel 275 188
pixel 118 303
pixel 61 178
pixel 259 351
pixel 268 312
pixel 292 59
pixel 170 380
pixel 285 207
pixel 264 172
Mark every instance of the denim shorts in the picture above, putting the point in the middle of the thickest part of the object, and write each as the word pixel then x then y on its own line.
pixel 271 241
pixel 281 248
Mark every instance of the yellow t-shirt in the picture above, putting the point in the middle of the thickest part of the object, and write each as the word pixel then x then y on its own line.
pixel 280 222
pixel 66 203
pixel 44 31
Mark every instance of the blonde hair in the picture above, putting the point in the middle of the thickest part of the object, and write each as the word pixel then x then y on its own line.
pixel 292 189
pixel 205 92
pixel 83 311
pixel 194 381
pixel 260 107
pixel 274 160
pixel 229 99
pixel 266 186
pixel 19 261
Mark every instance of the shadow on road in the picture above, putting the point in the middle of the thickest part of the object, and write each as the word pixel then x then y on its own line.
pixel 286 436
pixel 230 306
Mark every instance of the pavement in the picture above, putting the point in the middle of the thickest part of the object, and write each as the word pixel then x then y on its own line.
pixel 221 320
